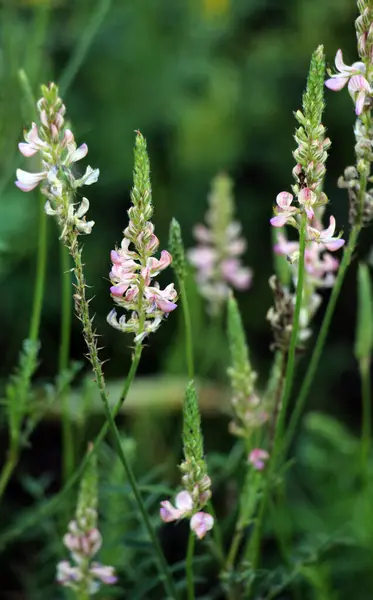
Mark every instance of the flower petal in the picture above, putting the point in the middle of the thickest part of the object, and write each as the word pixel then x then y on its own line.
pixel 279 220
pixel 27 149
pixel 336 83
pixel 201 523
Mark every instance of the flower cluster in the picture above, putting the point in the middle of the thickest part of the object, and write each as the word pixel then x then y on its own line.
pixel 58 152
pixel 359 80
pixel 134 265
pixel 310 155
pixel 217 256
pixel 84 540
pixel 354 76
pixel 196 483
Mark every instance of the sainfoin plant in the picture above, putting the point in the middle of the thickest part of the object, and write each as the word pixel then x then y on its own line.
pixel 204 522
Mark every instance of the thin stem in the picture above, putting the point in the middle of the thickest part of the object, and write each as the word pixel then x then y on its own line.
pixel 253 549
pixel 49 505
pixel 290 366
pixel 7 470
pixel 82 310
pixel 163 566
pixel 366 424
pixel 41 263
pixel 188 329
pixel 189 565
pixel 64 353
pixel 216 534
pixel 318 348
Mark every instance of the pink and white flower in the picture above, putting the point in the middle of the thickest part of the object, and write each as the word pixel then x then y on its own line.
pixel 258 458
pixel 345 72
pixel 201 523
pixel 285 211
pixel 358 86
pixel 325 236
pixel 183 507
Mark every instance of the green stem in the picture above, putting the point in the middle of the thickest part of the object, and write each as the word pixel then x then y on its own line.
pixel 253 549
pixel 64 353
pixel 41 263
pixel 188 329
pixel 162 564
pixel 366 426
pixel 290 366
pixel 216 534
pixel 189 565
pixel 7 470
pixel 49 505
pixel 82 310
pixel 318 348
pixel 33 335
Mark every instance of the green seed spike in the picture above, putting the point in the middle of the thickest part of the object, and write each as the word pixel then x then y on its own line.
pixel 313 97
pixel 176 246
pixel 192 434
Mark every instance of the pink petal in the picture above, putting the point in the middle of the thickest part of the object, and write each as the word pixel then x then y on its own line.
pixel 360 103
pixel 335 245
pixel 309 211
pixel 284 200
pixel 79 153
pixel 27 149
pixel 358 83
pixel 336 83
pixel 328 233
pixel 168 512
pixel 184 501
pixel 118 290
pixel 339 62
pixel 279 220
pixel 201 523
pixel 202 234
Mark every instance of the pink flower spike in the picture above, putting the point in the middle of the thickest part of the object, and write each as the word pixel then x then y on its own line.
pixel 258 458
pixel 201 523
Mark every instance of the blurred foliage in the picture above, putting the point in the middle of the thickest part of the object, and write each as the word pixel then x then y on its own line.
pixel 212 84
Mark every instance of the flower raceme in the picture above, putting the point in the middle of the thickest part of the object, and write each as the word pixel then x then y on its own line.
pixel 219 248
pixel 134 265
pixel 200 522
pixel 58 151
pixel 308 200
pixel 354 76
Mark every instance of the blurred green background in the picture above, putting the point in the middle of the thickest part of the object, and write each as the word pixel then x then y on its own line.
pixel 212 84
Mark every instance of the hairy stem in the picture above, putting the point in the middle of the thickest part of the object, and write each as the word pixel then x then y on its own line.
pixel 82 310
pixel 64 353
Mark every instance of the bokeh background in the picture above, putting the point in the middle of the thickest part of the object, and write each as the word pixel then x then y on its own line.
pixel 212 84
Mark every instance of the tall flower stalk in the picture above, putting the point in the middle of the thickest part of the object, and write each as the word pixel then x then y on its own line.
pixel 59 152
pixel 355 179
pixel 220 246
pixel 83 540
